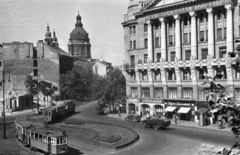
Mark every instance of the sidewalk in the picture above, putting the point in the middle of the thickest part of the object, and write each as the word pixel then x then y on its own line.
pixel 182 123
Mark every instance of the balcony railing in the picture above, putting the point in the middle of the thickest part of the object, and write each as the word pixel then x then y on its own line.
pixel 128 66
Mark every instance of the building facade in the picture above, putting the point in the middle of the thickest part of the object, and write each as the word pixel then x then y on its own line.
pixel 45 62
pixel 170 45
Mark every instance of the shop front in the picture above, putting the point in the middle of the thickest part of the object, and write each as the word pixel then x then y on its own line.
pixel 202 108
pixel 152 107
pixel 132 106
pixel 184 109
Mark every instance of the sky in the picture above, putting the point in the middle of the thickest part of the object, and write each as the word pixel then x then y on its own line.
pixel 26 20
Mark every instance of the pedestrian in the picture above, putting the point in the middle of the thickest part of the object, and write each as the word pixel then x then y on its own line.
pixel 141 113
pixel 175 116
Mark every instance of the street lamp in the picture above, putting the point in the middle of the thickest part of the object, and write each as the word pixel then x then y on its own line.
pixel 3 102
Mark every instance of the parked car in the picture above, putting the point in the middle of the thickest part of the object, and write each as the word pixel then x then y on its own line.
pixel 100 109
pixel 157 123
pixel 133 118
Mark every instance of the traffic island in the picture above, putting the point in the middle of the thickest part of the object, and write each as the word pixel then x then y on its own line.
pixel 102 135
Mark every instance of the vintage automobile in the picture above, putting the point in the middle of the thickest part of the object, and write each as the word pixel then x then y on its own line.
pixel 133 118
pixel 156 122
pixel 100 109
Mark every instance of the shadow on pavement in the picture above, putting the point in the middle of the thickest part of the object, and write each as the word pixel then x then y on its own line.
pixel 73 151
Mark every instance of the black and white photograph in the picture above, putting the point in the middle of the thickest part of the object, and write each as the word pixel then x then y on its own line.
pixel 120 77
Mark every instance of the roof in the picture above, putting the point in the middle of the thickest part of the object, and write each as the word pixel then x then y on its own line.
pixel 27 124
pixel 58 50
pixel 101 61
pixel 51 133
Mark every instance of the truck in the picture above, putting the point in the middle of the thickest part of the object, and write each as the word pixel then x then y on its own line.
pixel 156 123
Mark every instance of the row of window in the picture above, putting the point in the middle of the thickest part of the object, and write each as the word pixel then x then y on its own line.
pixel 204 54
pixel 203 36
pixel 49 140
pixel 186 74
pixel 187 93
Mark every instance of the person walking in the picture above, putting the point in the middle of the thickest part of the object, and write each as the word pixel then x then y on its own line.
pixel 175 116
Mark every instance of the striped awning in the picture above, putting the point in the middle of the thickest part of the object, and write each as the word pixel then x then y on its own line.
pixel 183 110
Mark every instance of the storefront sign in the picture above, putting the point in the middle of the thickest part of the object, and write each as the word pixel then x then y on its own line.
pixel 179 104
pixel 151 101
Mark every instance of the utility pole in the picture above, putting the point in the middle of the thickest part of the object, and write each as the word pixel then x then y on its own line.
pixel 3 102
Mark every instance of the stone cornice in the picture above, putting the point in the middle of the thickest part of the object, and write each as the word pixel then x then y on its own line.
pixel 175 8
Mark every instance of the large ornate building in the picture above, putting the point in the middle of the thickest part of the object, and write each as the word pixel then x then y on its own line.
pixel 170 44
pixel 79 47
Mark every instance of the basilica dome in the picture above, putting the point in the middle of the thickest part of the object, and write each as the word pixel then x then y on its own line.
pixel 79 32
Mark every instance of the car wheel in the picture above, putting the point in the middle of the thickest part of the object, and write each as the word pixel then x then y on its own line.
pixel 156 127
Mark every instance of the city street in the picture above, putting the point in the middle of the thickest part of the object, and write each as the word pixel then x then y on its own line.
pixel 174 140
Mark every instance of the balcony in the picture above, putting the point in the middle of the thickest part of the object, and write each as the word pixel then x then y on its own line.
pixel 128 67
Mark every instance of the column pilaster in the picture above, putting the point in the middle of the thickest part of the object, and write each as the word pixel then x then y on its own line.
pixel 210 32
pixel 178 36
pixel 229 28
pixel 150 47
pixel 163 38
pixel 193 34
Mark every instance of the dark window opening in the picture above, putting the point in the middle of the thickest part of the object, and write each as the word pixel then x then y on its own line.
pixel 34 53
pixel 145 58
pixel 35 63
pixel 204 53
pixel 145 43
pixel 158 57
pixel 145 27
pixel 35 72
pixel 187 54
pixel 173 55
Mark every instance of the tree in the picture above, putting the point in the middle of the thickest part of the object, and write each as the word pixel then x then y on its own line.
pixel 47 89
pixel 32 86
pixel 70 84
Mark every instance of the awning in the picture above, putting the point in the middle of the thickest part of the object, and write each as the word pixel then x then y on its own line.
pixel 183 110
pixel 170 109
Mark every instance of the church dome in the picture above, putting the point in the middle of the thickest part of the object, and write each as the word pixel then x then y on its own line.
pixel 79 32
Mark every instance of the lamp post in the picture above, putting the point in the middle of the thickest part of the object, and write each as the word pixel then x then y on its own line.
pixel 3 102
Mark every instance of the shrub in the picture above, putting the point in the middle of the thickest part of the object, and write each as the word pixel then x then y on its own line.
pixel 111 139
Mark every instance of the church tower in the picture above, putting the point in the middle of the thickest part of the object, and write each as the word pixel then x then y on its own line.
pixel 79 43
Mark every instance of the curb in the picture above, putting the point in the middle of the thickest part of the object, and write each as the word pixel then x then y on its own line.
pixel 118 147
pixel 200 127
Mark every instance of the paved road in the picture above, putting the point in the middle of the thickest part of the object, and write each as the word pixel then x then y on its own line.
pixel 176 140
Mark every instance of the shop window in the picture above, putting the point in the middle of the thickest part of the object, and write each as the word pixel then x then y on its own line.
pixel 145 43
pixel 172 93
pixel 186 74
pixel 203 94
pixel 156 41
pixel 145 27
pixel 145 58
pixel 201 35
pixel 187 54
pixel 204 53
pixel 158 57
pixel 172 56
pixel 187 93
pixel 145 93
pixel 185 38
pixel 134 92
pixel 158 93
pixel 171 74
pixel 219 33
pixel 222 52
